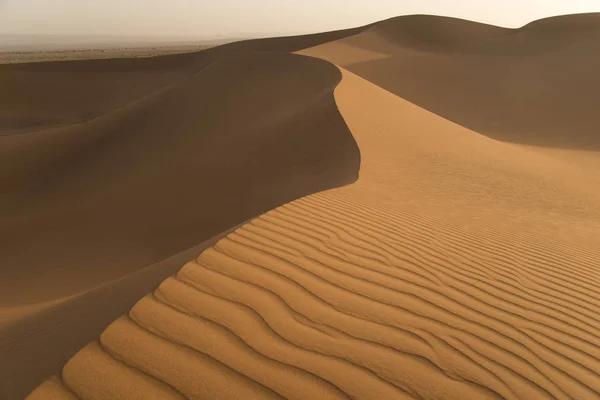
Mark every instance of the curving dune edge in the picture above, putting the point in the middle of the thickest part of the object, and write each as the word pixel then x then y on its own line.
pixel 388 288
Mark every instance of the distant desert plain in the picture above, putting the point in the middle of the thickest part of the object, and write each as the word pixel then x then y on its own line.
pixel 14 57
pixel 405 210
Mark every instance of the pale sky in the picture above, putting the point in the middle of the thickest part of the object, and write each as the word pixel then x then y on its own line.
pixel 205 19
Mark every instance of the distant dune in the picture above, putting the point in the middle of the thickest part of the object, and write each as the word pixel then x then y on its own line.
pixel 534 85
pixel 461 260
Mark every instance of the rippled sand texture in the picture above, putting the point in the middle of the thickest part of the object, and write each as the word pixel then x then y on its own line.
pixel 456 267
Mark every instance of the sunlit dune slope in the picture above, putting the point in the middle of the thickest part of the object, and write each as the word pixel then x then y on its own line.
pixel 456 267
pixel 535 85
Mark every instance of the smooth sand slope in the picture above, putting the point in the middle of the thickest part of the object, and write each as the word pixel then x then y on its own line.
pixel 456 267
pixel 141 160
pixel 535 85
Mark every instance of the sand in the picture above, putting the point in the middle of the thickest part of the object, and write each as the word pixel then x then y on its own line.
pixel 145 174
pixel 144 159
pixel 456 266
pixel 518 85
pixel 388 287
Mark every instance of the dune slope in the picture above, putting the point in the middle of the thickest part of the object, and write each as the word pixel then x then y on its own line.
pixel 457 266
pixel 449 270
pixel 85 204
pixel 41 95
pixel 135 186
pixel 535 85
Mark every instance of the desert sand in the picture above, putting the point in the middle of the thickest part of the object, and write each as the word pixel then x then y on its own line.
pixel 111 166
pixel 463 262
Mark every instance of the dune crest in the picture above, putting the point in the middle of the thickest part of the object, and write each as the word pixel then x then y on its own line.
pixel 535 85
pixel 436 275
pixel 95 185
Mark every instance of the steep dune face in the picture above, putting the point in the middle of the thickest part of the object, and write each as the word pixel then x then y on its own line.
pixel 455 267
pixel 39 96
pixel 535 85
pixel 96 201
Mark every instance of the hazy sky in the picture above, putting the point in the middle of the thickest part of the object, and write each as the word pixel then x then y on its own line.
pixel 218 18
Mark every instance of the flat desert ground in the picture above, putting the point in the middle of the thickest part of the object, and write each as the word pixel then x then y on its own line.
pixel 406 210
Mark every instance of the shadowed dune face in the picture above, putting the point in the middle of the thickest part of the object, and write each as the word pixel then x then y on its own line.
pixel 54 94
pixel 88 203
pixel 536 85
pixel 566 23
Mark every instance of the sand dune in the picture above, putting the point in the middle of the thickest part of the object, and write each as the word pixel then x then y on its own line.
pixel 47 94
pixel 534 85
pixel 391 287
pixel 456 266
pixel 212 135
pixel 100 197
pixel 145 175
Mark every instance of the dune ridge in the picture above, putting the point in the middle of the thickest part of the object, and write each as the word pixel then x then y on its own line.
pixel 390 287
pixel 90 206
pixel 533 85
pixel 182 141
